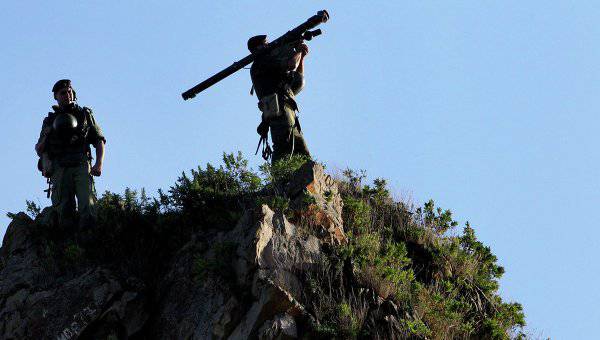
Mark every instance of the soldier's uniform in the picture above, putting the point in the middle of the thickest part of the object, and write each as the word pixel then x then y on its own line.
pixel 270 76
pixel 70 156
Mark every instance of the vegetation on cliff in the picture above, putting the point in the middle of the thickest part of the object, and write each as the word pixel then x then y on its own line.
pixel 432 281
pixel 442 285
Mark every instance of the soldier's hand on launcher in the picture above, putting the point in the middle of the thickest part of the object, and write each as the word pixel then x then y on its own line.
pixel 303 48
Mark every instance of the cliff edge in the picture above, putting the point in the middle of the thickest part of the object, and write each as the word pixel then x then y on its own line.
pixel 229 254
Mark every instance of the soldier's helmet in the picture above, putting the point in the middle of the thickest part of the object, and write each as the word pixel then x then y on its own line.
pixel 64 124
pixel 256 41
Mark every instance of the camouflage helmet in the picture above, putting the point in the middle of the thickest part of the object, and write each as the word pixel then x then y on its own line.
pixel 255 41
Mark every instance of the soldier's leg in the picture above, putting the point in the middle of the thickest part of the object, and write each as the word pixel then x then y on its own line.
pixel 63 195
pixel 280 136
pixel 86 196
pixel 283 144
pixel 300 147
pixel 286 136
pixel 281 128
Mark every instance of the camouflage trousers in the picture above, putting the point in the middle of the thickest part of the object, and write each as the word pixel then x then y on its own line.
pixel 69 183
pixel 287 137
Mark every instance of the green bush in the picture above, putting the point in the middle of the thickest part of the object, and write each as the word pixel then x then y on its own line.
pixel 281 171
pixel 444 286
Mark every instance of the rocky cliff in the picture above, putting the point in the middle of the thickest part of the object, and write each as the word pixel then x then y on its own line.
pixel 227 255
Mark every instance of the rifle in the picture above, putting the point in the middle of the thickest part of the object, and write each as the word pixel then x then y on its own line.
pixel 49 190
pixel 300 33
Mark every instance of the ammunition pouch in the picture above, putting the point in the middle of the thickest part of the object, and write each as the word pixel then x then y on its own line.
pixel 270 106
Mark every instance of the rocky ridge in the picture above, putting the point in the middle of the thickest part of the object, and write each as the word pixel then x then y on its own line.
pixel 265 254
pixel 227 254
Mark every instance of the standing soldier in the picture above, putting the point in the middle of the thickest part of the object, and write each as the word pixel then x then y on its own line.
pixel 65 156
pixel 277 77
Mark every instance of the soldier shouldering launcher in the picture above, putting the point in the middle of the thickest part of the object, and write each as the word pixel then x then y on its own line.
pixel 277 77
pixel 65 156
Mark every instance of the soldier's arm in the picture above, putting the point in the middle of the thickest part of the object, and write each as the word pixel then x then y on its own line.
pixel 95 133
pixel 297 75
pixel 41 143
pixel 296 82
pixel 97 168
pixel 96 138
pixel 39 147
pixel 296 63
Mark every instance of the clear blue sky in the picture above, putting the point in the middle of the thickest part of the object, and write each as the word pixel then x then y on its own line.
pixel 489 108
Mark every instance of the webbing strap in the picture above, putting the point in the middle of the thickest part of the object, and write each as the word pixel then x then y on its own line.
pixel 266 149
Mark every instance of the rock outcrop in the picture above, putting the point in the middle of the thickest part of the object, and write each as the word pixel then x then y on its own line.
pixel 227 256
pixel 37 304
pixel 240 283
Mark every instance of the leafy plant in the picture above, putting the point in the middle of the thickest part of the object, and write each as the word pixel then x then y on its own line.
pixel 33 209
pixel 443 286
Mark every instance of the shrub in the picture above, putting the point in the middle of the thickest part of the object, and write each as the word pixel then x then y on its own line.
pixel 281 171
pixel 444 286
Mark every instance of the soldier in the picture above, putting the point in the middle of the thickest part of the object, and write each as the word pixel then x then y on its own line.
pixel 64 148
pixel 277 77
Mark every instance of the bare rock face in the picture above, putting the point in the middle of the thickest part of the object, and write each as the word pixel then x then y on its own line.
pixel 268 253
pixel 238 284
pixel 282 326
pixel 325 210
pixel 38 303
